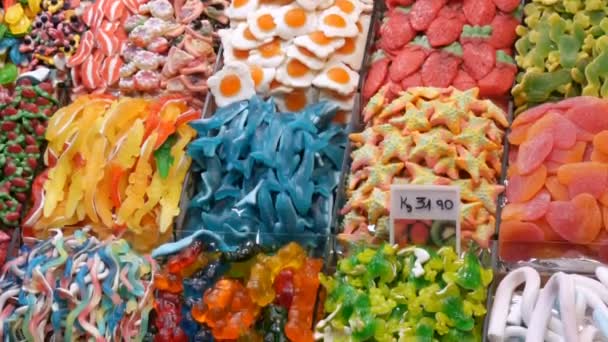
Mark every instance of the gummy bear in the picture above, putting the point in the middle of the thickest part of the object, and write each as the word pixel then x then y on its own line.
pixel 284 288
pixel 306 283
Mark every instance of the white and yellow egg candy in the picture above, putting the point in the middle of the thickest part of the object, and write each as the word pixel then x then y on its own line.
pixel 296 100
pixel 319 44
pixel 294 73
pixel 240 9
pixel 293 21
pixel 298 51
pixel 262 24
pixel 337 77
pixel 353 49
pixel 231 84
pixel 268 55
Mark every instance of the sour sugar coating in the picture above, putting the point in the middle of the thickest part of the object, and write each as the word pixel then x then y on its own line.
pixel 557 62
pixel 445 300
pixel 117 164
pixel 557 175
pixel 438 43
pixel 258 170
pixel 100 290
pixel 426 136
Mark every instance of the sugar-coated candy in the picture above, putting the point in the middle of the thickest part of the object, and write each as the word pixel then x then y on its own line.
pixel 426 136
pixel 261 171
pixel 116 164
pixel 413 293
pixel 74 288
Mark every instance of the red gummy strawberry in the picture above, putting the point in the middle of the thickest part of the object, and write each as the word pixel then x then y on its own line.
pixel 423 12
pixel 479 12
pixel 507 5
pixel 440 69
pixel 446 28
pixel 478 59
pixel 407 61
pixel 413 80
pixel 376 75
pixel 499 81
pixel 503 31
pixel 396 32
pixel 464 81
pixel 395 3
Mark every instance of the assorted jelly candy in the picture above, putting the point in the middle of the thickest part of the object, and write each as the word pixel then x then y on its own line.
pixel 117 164
pixel 425 136
pixel 561 51
pixel 24 112
pixel 245 294
pixel 437 43
pixel 68 288
pixel 265 172
pixel 557 179
pixel 384 293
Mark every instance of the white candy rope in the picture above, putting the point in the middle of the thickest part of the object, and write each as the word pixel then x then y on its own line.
pixel 502 299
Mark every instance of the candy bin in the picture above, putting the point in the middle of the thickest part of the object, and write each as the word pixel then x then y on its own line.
pixel 549 305
pixel 256 170
pixel 465 44
pixel 255 292
pixel 561 52
pixel 116 164
pixel 299 53
pixel 385 293
pixel 76 287
pixel 24 112
pixel 556 185
pixel 426 136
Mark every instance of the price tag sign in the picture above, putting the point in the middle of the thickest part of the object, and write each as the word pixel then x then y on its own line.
pixel 437 203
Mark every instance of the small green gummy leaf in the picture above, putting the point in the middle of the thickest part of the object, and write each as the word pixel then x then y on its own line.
pixel 163 157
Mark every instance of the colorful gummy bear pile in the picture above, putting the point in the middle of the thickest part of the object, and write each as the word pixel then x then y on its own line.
pixel 115 164
pixel 76 287
pixel 264 172
pixel 426 136
pixel 412 294
pixel 440 43
pixel 247 294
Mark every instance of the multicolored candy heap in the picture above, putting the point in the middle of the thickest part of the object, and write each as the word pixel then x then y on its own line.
pixel 265 172
pixel 563 52
pixel 24 112
pixel 426 136
pixel 411 294
pixel 440 43
pixel 114 164
pixel 557 181
pixel 246 294
pixel 76 287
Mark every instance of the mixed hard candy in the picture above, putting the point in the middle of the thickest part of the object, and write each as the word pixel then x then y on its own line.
pixel 427 136
pixel 440 43
pixel 116 164
pixel 263 172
